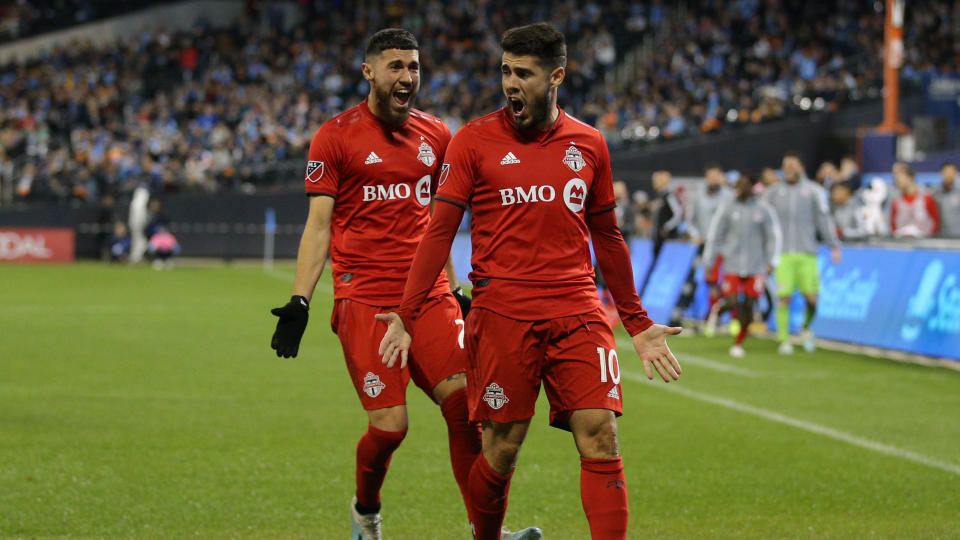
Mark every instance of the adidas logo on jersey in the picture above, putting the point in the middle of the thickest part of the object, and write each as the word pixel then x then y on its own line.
pixel 373 158
pixel 509 159
pixel 613 393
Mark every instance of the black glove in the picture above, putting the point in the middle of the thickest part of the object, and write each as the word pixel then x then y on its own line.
pixel 463 300
pixel 290 327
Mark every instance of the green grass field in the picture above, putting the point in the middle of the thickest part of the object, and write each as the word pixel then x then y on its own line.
pixel 145 404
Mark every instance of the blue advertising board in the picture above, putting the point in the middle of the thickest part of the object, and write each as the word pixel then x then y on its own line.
pixel 669 275
pixel 899 299
pixel 641 258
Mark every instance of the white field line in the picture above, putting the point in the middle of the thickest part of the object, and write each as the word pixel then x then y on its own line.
pixel 804 425
pixel 685 358
pixel 325 288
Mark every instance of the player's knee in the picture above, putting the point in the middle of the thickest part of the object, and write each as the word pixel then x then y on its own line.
pixel 502 455
pixel 596 435
pixel 389 419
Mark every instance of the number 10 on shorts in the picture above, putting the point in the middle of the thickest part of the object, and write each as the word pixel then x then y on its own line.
pixel 609 363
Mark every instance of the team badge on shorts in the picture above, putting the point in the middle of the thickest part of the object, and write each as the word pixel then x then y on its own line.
pixel 426 155
pixel 314 171
pixel 495 397
pixel 372 385
pixel 574 158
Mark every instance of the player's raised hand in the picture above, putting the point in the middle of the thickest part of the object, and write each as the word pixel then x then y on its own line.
pixel 651 345
pixel 396 342
pixel 290 327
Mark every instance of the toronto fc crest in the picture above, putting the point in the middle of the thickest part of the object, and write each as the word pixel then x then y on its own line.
pixel 372 385
pixel 426 155
pixel 495 397
pixel 574 158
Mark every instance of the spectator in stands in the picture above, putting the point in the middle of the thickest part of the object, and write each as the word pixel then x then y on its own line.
pixel 947 195
pixel 914 213
pixel 667 212
pixel 847 212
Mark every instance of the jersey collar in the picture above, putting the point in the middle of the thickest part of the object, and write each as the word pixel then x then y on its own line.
pixel 541 136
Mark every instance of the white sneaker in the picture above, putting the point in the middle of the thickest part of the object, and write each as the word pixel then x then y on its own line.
pixel 785 348
pixel 363 526
pixel 530 533
pixel 737 351
pixel 808 344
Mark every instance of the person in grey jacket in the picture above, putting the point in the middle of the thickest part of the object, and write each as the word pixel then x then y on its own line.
pixel 746 233
pixel 947 196
pixel 803 215
pixel 847 212
pixel 713 194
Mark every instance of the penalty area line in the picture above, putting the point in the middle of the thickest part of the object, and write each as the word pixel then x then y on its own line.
pixel 810 427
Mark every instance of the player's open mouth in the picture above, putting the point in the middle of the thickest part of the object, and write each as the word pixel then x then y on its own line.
pixel 402 97
pixel 516 106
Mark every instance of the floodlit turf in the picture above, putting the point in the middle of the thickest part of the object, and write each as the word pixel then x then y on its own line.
pixel 136 403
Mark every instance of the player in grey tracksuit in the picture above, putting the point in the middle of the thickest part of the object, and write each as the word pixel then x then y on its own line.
pixel 803 215
pixel 713 194
pixel 746 233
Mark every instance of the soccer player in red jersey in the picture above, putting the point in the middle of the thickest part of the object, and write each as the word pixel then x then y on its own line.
pixel 540 186
pixel 370 177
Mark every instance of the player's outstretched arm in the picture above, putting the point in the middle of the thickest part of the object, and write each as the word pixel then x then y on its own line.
pixel 651 345
pixel 432 254
pixel 311 258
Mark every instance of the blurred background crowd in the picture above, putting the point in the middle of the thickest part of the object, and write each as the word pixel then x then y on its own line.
pixel 234 108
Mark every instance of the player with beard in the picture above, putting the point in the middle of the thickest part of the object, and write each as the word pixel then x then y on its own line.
pixel 370 174
pixel 746 234
pixel 540 186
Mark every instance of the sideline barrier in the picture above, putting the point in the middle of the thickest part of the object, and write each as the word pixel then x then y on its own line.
pixel 908 300
pixel 21 244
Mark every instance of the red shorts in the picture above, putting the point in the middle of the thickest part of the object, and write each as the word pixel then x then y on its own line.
pixel 750 286
pixel 712 277
pixel 575 357
pixel 436 354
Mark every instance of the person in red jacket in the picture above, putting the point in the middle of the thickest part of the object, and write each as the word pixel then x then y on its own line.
pixel 914 213
pixel 540 187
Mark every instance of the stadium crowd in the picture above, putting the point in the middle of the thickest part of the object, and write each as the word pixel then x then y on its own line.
pixel 232 108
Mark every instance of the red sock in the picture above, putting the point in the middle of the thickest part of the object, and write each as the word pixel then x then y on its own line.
pixel 488 499
pixel 373 458
pixel 742 335
pixel 464 437
pixel 603 492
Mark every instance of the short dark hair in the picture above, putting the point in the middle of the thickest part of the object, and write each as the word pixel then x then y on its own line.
pixel 793 154
pixel 712 165
pixel 391 38
pixel 541 40
pixel 948 164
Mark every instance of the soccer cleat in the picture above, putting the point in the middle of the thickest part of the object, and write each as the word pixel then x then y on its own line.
pixel 363 526
pixel 808 344
pixel 530 533
pixel 737 351
pixel 785 348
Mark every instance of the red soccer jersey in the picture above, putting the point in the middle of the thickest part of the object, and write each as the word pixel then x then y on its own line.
pixel 383 179
pixel 530 198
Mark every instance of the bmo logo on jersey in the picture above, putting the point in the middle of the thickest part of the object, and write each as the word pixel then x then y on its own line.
pixel 391 192
pixel 532 194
